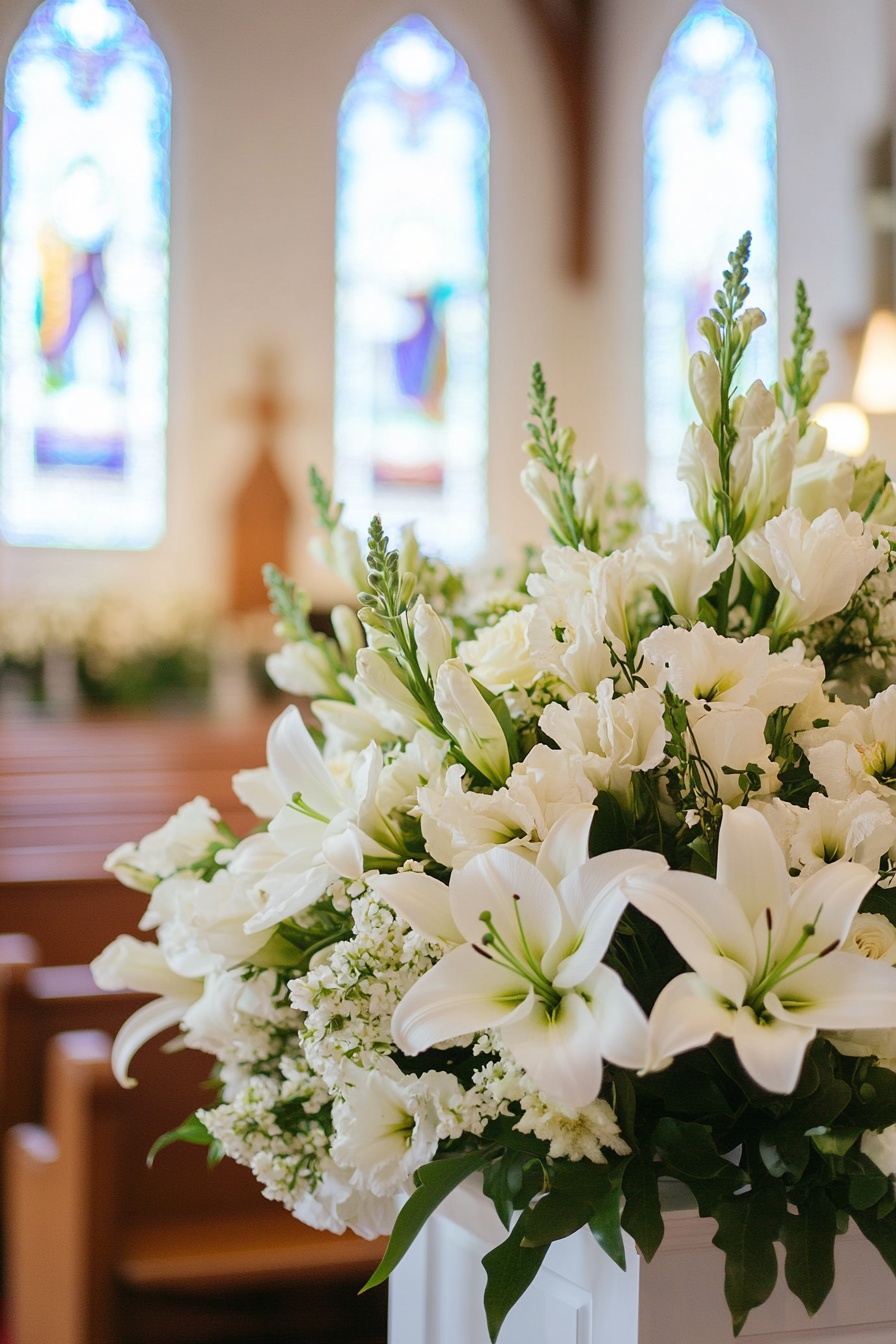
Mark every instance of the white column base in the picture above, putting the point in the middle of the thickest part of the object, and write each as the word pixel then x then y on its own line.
pixel 580 1297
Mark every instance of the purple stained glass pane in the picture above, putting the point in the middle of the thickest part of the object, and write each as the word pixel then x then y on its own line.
pixel 411 296
pixel 84 284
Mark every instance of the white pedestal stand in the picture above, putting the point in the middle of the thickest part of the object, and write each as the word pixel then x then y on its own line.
pixel 580 1297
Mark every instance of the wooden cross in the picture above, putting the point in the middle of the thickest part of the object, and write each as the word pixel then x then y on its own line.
pixel 261 514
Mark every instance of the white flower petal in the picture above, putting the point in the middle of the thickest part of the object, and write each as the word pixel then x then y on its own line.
pixel 422 901
pixel 751 863
pixel 489 883
pixel 565 846
pixel 703 921
pixel 621 1019
pixel 257 789
pixel 463 992
pixel 559 1050
pixel 593 898
pixel 771 1051
pixel 838 992
pixel 140 1027
pixel 298 767
pixel 838 889
pixel 687 1014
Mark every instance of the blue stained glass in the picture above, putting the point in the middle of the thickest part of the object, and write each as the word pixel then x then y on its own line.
pixel 411 396
pixel 84 285
pixel 711 174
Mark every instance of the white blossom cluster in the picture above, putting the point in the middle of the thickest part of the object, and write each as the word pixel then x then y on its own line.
pixel 432 934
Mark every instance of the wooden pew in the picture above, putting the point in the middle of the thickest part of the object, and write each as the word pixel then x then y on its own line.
pixel 102 1252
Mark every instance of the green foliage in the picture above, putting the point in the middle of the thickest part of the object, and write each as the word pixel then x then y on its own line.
pixel 192 1130
pixel 434 1182
pixel 329 512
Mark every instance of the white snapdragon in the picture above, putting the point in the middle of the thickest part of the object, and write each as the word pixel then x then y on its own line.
pixel 683 565
pixel 184 839
pixel 581 621
pixel 471 721
pixel 771 470
pixel 431 637
pixel 614 736
pixel 826 483
pixel 816 566
pixel 303 668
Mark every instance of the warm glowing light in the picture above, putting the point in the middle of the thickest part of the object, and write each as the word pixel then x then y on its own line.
pixel 875 388
pixel 847 427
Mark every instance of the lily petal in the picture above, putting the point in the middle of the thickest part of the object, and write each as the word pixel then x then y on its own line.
pixel 559 1050
pixel 621 1019
pixel 771 1051
pixel 140 1027
pixel 839 889
pixel 751 863
pixel 422 901
pixel 565 846
pixel 593 900
pixel 289 887
pixel 463 992
pixel 687 1014
pixel 489 882
pixel 838 992
pixel 257 789
pixel 703 921
pixel 298 767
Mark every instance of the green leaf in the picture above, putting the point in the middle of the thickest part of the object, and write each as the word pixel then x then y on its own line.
pixel 867 1187
pixel 511 1182
pixel 808 1236
pixel 881 1232
pixel 641 1214
pixel 748 1228
pixel 687 1151
pixel 833 1143
pixel 191 1131
pixel 609 830
pixel 510 1268
pixel 624 1104
pixel 435 1181
pixel 554 1217
pixel 605 1226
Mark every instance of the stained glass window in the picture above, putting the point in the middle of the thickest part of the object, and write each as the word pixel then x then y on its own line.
pixel 84 287
pixel 710 167
pixel 411 299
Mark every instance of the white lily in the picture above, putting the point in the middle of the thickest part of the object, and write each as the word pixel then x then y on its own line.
pixel 767 969
pixel 128 963
pixel 529 965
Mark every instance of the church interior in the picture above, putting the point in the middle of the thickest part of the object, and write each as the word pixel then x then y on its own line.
pixel 243 242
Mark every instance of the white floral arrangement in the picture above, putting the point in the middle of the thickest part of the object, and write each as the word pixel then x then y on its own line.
pixel 576 883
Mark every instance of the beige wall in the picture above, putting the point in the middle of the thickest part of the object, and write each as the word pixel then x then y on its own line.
pixel 257 85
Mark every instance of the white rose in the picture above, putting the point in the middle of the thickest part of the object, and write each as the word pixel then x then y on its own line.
pixel 872 936
pixel 499 656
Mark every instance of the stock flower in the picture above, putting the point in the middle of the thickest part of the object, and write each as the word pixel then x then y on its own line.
pixel 581 621
pixel 816 566
pixel 529 966
pixel 768 971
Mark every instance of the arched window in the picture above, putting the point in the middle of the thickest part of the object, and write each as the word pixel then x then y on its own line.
pixel 84 290
pixel 710 169
pixel 411 299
